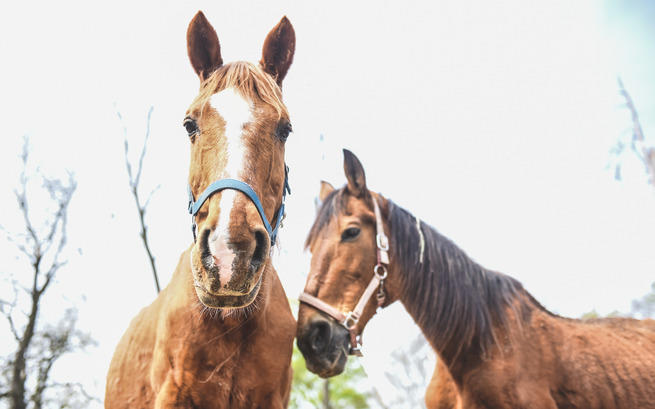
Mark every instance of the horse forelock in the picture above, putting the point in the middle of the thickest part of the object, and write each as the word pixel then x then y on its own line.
pixel 248 80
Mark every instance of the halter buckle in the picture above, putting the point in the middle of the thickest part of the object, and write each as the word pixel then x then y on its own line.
pixel 382 241
pixel 356 350
pixel 351 320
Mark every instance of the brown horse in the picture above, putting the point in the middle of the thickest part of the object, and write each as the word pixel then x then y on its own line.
pixel 497 346
pixel 220 335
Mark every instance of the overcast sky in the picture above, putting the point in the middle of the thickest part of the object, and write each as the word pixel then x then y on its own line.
pixel 492 121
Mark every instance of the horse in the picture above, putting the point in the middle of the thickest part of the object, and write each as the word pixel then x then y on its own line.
pixel 497 346
pixel 220 335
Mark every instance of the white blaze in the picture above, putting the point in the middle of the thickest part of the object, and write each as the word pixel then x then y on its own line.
pixel 236 112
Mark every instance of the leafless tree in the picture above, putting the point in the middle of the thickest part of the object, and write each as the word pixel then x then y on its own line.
pixel 637 143
pixel 410 376
pixel 134 180
pixel 646 155
pixel 26 373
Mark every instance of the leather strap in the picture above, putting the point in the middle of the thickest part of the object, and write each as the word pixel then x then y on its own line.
pixel 322 306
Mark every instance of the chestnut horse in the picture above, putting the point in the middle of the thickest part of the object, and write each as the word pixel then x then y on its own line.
pixel 220 335
pixel 497 346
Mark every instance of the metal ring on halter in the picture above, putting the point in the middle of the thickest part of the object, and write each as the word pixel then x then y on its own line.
pixel 376 270
pixel 350 317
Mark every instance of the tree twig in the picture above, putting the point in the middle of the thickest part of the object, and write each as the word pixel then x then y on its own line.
pixel 134 181
pixel 645 154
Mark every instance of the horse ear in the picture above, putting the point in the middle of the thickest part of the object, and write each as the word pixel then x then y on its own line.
pixel 326 189
pixel 203 46
pixel 354 173
pixel 277 53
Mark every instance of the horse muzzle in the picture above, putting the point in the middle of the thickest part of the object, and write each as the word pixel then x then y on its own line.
pixel 229 274
pixel 325 345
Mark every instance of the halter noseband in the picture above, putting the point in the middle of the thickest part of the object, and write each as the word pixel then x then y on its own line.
pixel 350 319
pixel 243 187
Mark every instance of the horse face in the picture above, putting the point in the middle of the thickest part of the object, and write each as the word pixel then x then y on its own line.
pixel 343 247
pixel 237 127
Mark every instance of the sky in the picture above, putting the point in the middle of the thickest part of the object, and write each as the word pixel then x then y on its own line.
pixel 493 122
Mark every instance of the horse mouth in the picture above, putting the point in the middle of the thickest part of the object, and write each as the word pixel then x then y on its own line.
pixel 326 369
pixel 227 300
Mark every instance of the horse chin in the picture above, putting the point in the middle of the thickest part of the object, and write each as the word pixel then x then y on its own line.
pixel 221 301
pixel 326 369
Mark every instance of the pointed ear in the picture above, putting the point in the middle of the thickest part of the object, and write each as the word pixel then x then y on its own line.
pixel 277 53
pixel 354 173
pixel 203 46
pixel 326 189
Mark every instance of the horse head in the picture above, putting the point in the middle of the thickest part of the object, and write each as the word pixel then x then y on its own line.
pixel 237 127
pixel 346 282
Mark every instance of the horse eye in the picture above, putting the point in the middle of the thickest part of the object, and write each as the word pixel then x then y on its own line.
pixel 283 130
pixel 350 233
pixel 191 126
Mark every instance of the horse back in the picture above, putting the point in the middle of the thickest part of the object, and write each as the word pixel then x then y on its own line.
pixel 553 362
pixel 606 363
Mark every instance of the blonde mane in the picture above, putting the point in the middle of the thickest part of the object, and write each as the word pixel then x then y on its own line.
pixel 249 80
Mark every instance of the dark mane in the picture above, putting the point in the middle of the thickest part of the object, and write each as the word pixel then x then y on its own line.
pixel 456 302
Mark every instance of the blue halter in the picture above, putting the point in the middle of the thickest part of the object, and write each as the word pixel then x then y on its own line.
pixel 243 187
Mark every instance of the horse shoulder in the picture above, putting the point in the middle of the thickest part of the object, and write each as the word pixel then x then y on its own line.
pixel 442 391
pixel 516 371
pixel 129 379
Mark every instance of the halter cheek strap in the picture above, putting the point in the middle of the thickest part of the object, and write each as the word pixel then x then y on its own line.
pixel 350 319
pixel 243 187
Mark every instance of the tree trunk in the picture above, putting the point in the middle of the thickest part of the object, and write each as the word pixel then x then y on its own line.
pixel 326 394
pixel 19 374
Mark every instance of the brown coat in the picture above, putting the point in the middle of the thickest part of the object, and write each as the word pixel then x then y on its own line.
pixel 177 355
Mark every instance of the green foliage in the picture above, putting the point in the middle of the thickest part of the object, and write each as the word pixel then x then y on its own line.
pixel 307 390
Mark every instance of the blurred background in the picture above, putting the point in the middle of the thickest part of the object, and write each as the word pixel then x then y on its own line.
pixel 502 124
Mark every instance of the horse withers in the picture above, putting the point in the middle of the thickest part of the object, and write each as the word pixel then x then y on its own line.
pixel 497 346
pixel 220 335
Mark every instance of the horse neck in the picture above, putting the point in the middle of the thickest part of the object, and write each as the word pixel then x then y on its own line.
pixel 461 307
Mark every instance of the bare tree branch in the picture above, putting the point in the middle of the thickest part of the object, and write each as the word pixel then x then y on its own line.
pixel 78 388
pixel 152 192
pixel 637 143
pixel 9 314
pixel 37 247
pixel 134 181
pixel 143 149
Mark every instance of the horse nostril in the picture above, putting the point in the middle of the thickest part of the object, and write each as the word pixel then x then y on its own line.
pixel 319 336
pixel 261 246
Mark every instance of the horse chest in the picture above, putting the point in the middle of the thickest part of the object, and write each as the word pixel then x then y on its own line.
pixel 223 368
